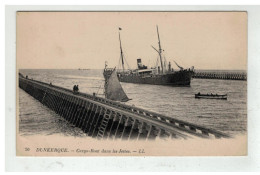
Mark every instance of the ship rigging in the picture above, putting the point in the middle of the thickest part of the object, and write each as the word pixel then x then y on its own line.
pixel 158 75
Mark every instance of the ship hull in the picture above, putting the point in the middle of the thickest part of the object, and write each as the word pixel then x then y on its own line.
pixel 180 78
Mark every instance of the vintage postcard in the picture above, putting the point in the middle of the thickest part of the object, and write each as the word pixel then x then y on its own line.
pixel 122 83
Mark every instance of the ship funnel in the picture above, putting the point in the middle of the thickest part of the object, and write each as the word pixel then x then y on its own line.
pixel 139 62
pixel 140 65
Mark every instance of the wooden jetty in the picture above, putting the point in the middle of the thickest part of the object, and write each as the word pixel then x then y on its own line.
pixel 105 119
pixel 219 75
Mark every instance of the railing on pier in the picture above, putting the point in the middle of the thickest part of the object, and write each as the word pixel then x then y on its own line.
pixel 103 118
pixel 220 75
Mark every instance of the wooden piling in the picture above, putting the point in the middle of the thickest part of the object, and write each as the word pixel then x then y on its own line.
pixel 102 118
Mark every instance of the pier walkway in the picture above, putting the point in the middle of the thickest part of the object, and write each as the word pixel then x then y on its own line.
pixel 105 119
pixel 220 75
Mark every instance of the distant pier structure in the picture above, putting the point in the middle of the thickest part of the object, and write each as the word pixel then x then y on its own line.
pixel 220 75
pixel 105 119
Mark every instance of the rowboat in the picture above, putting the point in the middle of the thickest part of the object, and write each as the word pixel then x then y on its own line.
pixel 211 96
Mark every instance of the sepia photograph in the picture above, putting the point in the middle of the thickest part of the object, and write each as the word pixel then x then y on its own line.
pixel 131 83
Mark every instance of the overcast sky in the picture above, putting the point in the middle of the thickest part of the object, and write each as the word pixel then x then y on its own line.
pixel 68 40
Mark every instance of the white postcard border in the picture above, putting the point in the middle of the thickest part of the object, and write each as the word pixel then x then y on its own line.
pixel 241 163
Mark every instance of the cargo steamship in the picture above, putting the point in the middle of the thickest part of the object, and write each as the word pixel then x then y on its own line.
pixel 161 75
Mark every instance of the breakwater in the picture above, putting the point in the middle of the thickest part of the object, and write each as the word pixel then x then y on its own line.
pixel 220 75
pixel 102 119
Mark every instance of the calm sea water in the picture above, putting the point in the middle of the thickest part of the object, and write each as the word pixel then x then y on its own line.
pixel 229 116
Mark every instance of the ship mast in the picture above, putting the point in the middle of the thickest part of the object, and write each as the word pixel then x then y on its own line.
pixel 160 49
pixel 122 55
